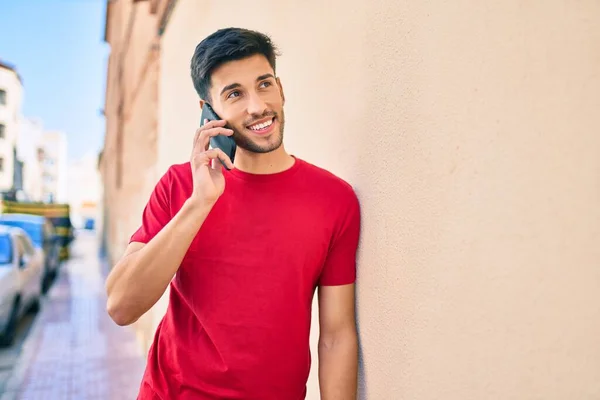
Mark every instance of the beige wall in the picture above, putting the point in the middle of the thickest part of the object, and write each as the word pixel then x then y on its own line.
pixel 471 134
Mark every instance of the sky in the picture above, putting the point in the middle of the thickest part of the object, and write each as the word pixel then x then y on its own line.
pixel 58 49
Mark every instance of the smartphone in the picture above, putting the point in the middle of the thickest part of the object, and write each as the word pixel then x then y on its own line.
pixel 225 143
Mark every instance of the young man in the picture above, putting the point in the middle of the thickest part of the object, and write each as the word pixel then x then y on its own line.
pixel 243 249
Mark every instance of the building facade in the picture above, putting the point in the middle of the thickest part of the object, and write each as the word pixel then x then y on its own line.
pixel 54 167
pixel 128 161
pixel 470 134
pixel 84 189
pixel 11 98
pixel 29 149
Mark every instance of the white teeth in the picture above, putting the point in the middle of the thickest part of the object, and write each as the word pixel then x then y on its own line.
pixel 261 126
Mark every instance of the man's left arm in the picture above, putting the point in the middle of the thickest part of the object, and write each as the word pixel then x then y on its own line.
pixel 338 343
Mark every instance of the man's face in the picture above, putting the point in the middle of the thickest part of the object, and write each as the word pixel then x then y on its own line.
pixel 247 95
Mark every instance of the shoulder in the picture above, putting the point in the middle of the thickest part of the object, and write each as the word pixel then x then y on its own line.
pixel 179 170
pixel 174 179
pixel 327 182
pixel 340 206
pixel 333 193
pixel 177 173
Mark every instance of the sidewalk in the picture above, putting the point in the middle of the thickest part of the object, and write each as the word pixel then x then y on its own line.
pixel 75 351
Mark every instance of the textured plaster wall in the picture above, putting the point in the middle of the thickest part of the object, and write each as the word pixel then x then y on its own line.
pixel 131 48
pixel 471 134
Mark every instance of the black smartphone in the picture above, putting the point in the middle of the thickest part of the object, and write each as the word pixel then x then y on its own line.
pixel 225 143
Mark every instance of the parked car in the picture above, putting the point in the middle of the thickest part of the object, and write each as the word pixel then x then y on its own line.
pixel 43 235
pixel 21 270
pixel 58 213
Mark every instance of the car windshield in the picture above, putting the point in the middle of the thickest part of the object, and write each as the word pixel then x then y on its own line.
pixel 5 250
pixel 32 229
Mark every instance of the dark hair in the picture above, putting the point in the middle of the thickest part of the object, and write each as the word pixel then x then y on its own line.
pixel 225 45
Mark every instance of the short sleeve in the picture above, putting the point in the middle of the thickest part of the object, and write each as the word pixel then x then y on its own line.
pixel 340 263
pixel 157 212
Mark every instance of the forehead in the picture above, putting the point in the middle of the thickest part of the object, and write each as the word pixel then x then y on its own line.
pixel 244 71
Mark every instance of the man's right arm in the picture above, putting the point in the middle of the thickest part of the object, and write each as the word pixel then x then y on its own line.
pixel 142 275
pixel 144 272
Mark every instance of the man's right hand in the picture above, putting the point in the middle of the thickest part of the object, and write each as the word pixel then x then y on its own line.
pixel 207 175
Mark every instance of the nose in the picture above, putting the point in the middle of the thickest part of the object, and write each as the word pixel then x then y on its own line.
pixel 256 105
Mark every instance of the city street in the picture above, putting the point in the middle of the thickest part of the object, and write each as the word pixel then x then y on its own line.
pixel 71 349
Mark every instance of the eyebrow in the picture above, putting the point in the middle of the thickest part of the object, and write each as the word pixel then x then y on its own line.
pixel 237 85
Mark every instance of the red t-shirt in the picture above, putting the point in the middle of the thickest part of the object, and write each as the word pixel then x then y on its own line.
pixel 238 321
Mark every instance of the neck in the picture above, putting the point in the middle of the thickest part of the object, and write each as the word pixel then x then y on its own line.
pixel 263 163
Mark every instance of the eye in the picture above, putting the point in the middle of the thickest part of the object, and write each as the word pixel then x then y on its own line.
pixel 233 94
pixel 265 84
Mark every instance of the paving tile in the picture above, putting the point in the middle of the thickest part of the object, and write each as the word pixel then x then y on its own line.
pixel 74 350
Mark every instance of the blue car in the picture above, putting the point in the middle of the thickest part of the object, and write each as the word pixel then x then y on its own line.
pixel 43 236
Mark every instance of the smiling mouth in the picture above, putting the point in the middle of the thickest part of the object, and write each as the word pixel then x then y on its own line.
pixel 263 126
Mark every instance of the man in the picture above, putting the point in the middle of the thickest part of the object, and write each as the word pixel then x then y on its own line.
pixel 243 249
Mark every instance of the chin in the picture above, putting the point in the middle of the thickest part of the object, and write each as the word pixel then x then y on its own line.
pixel 273 142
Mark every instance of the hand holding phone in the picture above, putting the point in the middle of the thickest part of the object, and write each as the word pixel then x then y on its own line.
pixel 207 176
pixel 225 143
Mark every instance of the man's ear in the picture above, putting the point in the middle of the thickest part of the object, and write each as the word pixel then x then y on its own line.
pixel 201 102
pixel 280 89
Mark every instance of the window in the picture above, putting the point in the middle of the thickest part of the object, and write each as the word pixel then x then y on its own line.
pixel 2 131
pixel 27 246
pixel 32 229
pixel 2 97
pixel 6 250
pixel 20 249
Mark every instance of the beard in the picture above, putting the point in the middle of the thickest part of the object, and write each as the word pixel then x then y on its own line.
pixel 274 141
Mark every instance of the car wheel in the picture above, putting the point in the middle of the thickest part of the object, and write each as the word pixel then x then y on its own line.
pixel 34 307
pixel 47 282
pixel 8 336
